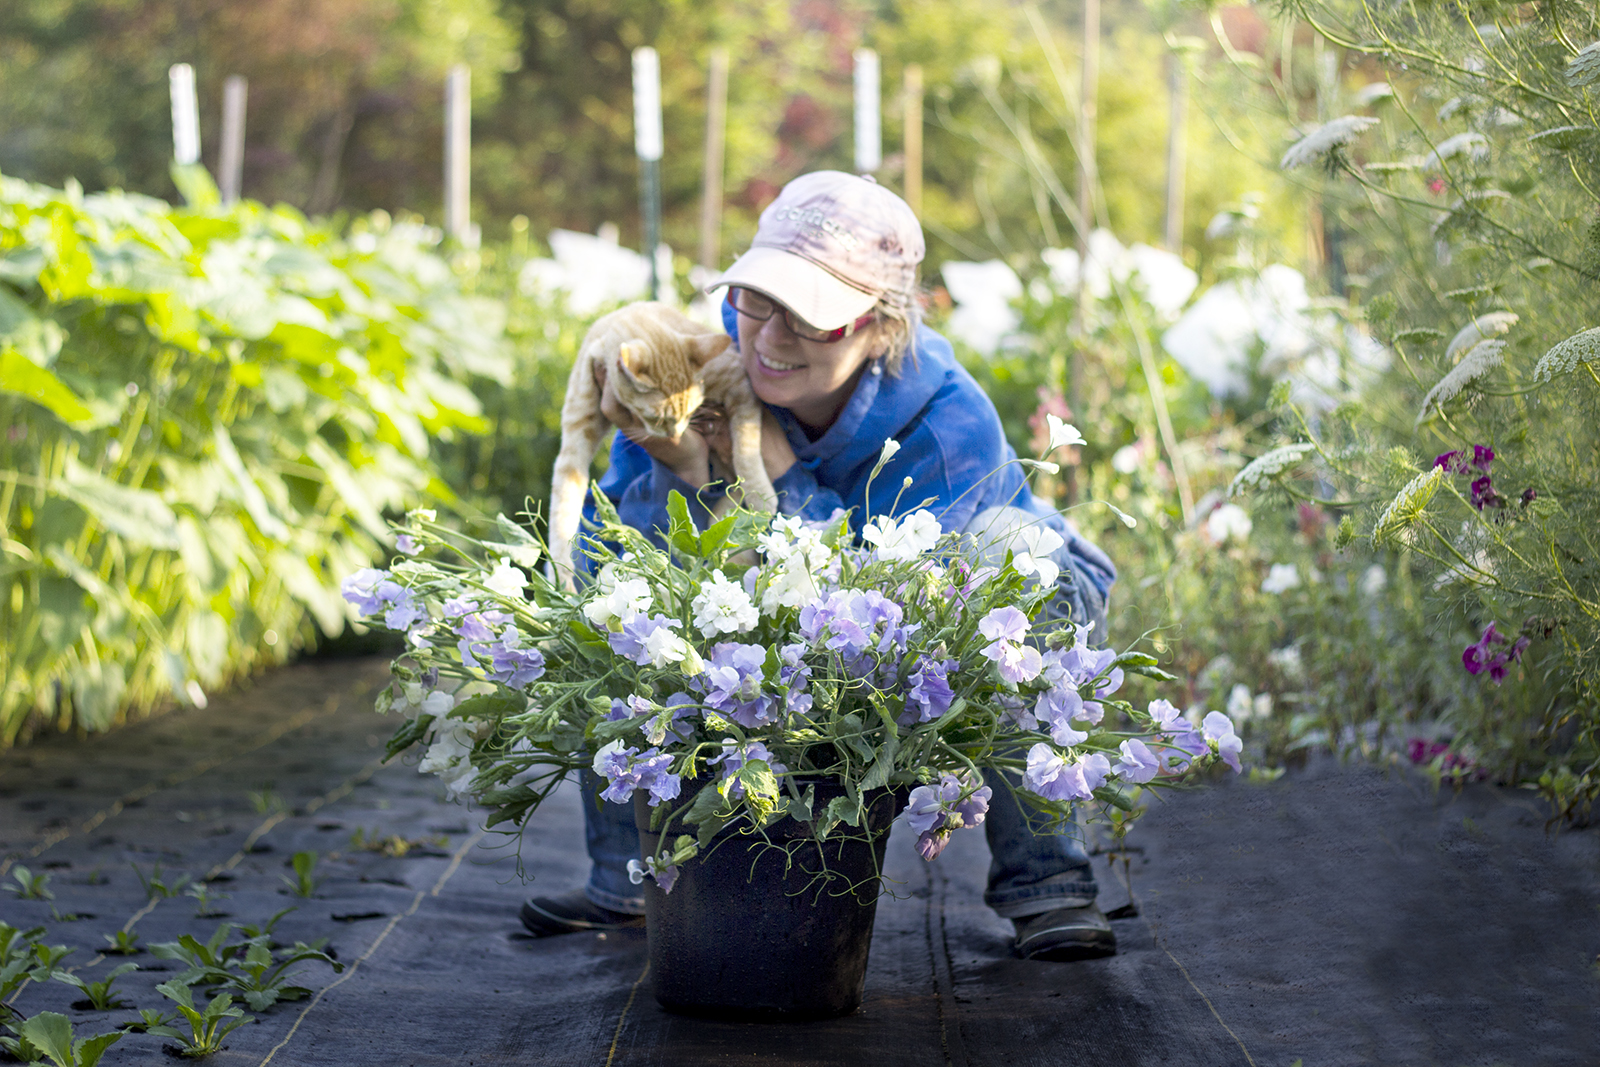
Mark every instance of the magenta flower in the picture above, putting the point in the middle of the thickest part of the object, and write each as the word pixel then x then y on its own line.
pixel 1480 656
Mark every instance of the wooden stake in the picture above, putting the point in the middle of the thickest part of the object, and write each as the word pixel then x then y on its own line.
pixel 716 132
pixel 869 112
pixel 913 136
pixel 185 114
pixel 1087 176
pixel 230 165
pixel 457 152
pixel 1177 145
pixel 648 146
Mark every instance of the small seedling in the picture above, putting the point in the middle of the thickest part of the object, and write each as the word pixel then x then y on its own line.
pixel 302 884
pixel 266 801
pixel 252 932
pixel 156 887
pixel 263 984
pixel 99 994
pixel 205 900
pixel 29 886
pixel 393 845
pixel 48 1036
pixel 207 1027
pixel 148 1017
pixel 122 943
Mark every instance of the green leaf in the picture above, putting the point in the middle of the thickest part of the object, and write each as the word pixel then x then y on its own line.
pixel 683 534
pixel 135 514
pixel 195 185
pixel 716 536
pixel 488 705
pixel 51 1033
pixel 21 376
pixel 90 1049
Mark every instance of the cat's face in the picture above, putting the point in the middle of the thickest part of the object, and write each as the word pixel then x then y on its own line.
pixel 662 389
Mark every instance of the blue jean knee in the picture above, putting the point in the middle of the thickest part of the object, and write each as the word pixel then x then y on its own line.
pixel 612 840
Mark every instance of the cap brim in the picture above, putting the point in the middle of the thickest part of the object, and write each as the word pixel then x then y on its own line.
pixel 800 285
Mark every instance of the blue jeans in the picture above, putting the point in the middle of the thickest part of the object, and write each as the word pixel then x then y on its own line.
pixel 1032 869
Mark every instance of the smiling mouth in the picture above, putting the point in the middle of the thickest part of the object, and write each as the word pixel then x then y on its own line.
pixel 772 364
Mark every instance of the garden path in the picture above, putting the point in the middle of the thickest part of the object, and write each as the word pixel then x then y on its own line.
pixel 1342 915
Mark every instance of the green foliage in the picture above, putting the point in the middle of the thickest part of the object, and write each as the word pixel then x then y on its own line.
pixel 1470 211
pixel 48 1036
pixel 206 899
pixel 29 886
pixel 251 931
pixel 303 884
pixel 156 886
pixel 261 979
pixel 99 994
pixel 216 407
pixel 122 943
pixel 207 1027
pixel 208 958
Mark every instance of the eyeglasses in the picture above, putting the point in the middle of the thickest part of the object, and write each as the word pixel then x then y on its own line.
pixel 754 305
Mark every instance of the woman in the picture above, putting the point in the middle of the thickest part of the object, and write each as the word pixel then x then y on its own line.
pixel 823 310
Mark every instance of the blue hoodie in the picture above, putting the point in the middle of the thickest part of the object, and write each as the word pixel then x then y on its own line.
pixel 951 447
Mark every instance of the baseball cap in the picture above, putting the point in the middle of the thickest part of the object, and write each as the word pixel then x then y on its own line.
pixel 830 247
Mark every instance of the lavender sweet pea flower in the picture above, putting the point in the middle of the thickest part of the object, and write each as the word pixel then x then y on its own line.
pixel 1095 768
pixel 628 769
pixel 1052 777
pixel 654 775
pixel 733 678
pixel 649 641
pixel 407 544
pixel 1004 624
pixel 1056 708
pixel 1138 764
pixel 512 666
pixel 1015 663
pixel 405 610
pixel 930 695
pixel 361 589
pixel 924 811
pixel 1219 728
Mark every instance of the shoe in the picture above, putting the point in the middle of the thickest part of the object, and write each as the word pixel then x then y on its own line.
pixel 572 913
pixel 1066 934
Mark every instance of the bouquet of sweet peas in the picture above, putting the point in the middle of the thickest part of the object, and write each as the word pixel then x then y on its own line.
pixel 727 672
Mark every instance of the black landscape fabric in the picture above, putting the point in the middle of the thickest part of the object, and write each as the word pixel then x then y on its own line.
pixel 1340 915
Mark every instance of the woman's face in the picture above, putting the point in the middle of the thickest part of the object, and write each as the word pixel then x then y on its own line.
pixel 812 379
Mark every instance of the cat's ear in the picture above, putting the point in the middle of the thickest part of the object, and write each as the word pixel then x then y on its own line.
pixel 630 354
pixel 708 346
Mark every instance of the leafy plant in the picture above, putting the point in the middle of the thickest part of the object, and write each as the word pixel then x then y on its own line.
pixel 122 943
pixel 207 1027
pixel 99 994
pixel 303 884
pixel 261 980
pixel 49 1035
pixel 16 942
pixel 199 434
pixel 209 961
pixel 155 886
pixel 206 899
pixel 29 886
pixel 29 961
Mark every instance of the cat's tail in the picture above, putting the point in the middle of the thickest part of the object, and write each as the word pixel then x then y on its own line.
pixel 568 482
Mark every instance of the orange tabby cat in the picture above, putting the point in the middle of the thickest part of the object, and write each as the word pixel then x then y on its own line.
pixel 664 365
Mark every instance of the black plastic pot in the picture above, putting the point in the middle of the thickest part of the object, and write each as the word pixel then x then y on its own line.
pixel 758 933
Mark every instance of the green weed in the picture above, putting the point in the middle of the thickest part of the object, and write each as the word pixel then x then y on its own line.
pixel 207 1027
pixel 29 886
pixel 302 884
pixel 49 1036
pixel 99 994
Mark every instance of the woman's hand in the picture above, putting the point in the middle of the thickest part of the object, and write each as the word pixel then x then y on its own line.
pixel 688 457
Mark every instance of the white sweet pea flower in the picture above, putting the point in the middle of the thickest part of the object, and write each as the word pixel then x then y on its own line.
pixel 617 598
pixel 790 585
pixel 890 447
pixel 904 540
pixel 438 703
pixel 506 579
pixel 1062 434
pixel 1281 578
pixel 450 755
pixel 723 607
pixel 1031 550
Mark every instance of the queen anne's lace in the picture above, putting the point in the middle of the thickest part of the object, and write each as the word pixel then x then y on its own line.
pixel 1564 358
pixel 1481 328
pixel 1408 505
pixel 1484 357
pixel 1324 139
pixel 1584 67
pixel 1266 467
